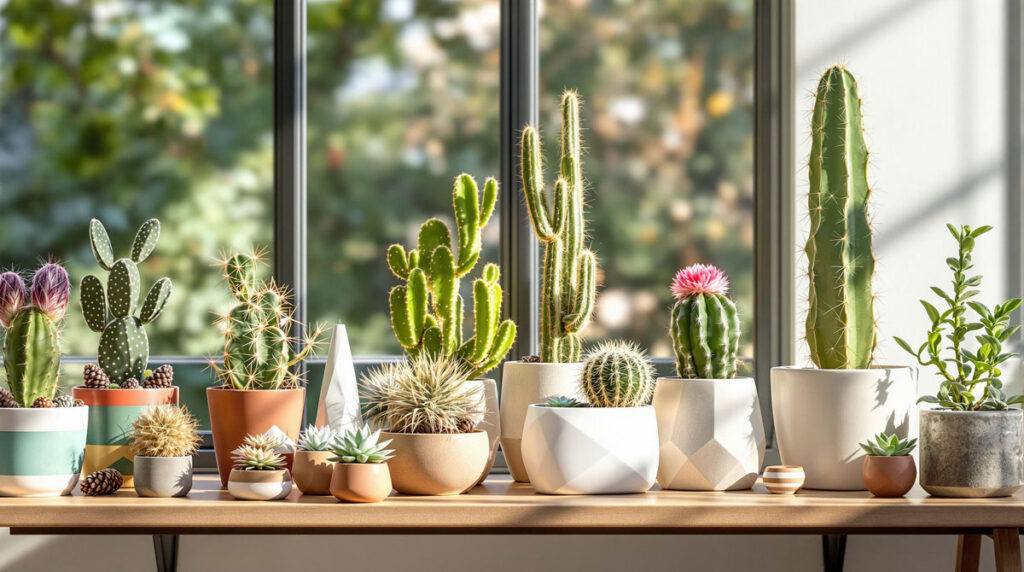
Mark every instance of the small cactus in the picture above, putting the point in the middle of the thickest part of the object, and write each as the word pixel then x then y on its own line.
pixel 164 431
pixel 617 374
pixel 705 325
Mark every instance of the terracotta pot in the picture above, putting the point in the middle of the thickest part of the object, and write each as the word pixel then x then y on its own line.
pixel 312 472
pixel 491 423
pixel 111 412
pixel 889 476
pixel 259 485
pixel 434 464
pixel 361 482
pixel 235 413
pixel 41 450
pixel 163 477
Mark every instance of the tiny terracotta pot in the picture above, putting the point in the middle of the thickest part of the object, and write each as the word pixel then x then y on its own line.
pixel 361 482
pixel 437 464
pixel 312 472
pixel 259 485
pixel 889 476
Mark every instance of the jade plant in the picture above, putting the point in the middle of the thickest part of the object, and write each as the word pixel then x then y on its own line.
pixel 840 325
pixel 164 431
pixel 361 446
pixel 315 438
pixel 705 326
pixel 889 446
pixel 965 371
pixel 617 374
pixel 426 311
pixel 568 286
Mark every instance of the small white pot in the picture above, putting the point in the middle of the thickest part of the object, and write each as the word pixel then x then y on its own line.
pixel 711 433
pixel 523 384
pixel 591 450
pixel 259 485
pixel 822 416
pixel 41 450
pixel 491 423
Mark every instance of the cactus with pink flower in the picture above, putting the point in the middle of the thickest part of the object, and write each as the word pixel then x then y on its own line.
pixel 31 319
pixel 705 325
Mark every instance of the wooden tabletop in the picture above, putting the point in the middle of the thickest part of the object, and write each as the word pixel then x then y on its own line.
pixel 501 506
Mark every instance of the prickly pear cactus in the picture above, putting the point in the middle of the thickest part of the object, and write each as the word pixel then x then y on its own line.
pixel 123 350
pixel 705 325
pixel 617 374
pixel 426 311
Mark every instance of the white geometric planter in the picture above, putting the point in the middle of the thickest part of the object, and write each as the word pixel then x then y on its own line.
pixel 590 450
pixel 711 433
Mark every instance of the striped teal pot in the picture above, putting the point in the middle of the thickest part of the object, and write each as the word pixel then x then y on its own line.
pixel 41 450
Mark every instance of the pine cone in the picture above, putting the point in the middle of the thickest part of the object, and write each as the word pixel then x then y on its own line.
pixel 79 403
pixel 64 401
pixel 162 376
pixel 95 377
pixel 130 383
pixel 102 482
pixel 42 402
pixel 7 399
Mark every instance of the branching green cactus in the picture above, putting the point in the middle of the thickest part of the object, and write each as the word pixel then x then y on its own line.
pixel 123 350
pixel 617 374
pixel 840 318
pixel 705 326
pixel 568 289
pixel 426 311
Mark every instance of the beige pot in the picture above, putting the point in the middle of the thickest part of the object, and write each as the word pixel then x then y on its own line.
pixel 312 472
pixel 491 423
pixel 361 482
pixel 437 464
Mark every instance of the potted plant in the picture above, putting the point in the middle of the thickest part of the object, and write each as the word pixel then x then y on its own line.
pixel 567 285
pixel 889 470
pixel 257 472
pixel 427 311
pixel 709 421
pixel 360 470
pixel 971 443
pixel 258 391
pixel 821 415
pixel 42 437
pixel 123 351
pixel 163 440
pixel 608 447
pixel 429 410
pixel 312 467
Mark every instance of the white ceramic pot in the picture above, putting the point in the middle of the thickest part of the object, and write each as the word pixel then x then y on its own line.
pixel 522 385
pixel 590 450
pixel 710 432
pixel 41 450
pixel 491 423
pixel 822 415
pixel 259 485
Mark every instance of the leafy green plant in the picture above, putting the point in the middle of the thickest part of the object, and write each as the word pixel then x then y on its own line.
pixel 563 401
pixel 361 446
pixel 889 446
pixel 315 438
pixel 963 370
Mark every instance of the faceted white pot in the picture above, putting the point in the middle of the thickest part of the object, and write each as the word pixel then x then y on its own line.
pixel 590 450
pixel 710 432
pixel 523 384
pixel 822 415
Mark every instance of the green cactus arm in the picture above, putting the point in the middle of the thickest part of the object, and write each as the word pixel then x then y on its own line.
pixel 490 199
pixel 483 314
pixel 433 233
pixel 94 303
pixel 699 336
pixel 454 334
pixel 434 341
pixel 145 240
pixel 444 286
pixel 680 329
pixel 100 243
pixel 418 300
pixel 401 320
pixel 491 273
pixel 503 341
pixel 32 356
pixel 570 168
pixel 465 201
pixel 398 261
pixel 155 301
pixel 123 288
pixel 533 185
pixel 550 332
pixel 240 273
pixel 718 336
pixel 276 357
pixel 583 300
pixel 733 318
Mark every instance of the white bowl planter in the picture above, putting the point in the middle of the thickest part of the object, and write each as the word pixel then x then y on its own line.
pixel 259 485
pixel 822 416
pixel 41 450
pixel 590 450
pixel 711 433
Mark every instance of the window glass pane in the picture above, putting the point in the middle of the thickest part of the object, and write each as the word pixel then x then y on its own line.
pixel 402 96
pixel 667 89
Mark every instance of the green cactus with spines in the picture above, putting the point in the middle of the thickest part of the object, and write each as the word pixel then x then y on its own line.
pixel 840 326
pixel 705 326
pixel 568 282
pixel 617 374
pixel 427 311
pixel 123 350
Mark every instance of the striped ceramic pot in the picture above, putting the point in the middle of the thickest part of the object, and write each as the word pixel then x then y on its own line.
pixel 41 450
pixel 783 479
pixel 111 412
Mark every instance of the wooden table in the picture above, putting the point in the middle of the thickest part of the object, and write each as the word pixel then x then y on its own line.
pixel 503 507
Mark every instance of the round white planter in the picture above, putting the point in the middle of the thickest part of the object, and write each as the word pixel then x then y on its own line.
pixel 710 432
pixel 41 450
pixel 590 450
pixel 522 385
pixel 259 485
pixel 822 415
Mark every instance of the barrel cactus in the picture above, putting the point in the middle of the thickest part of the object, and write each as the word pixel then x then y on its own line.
pixel 617 374
pixel 426 311
pixel 568 282
pixel 840 324
pixel 705 325
pixel 123 350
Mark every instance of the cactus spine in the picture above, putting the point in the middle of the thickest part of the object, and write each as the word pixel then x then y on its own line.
pixel 617 374
pixel 840 325
pixel 705 325
pixel 568 288
pixel 123 350
pixel 426 311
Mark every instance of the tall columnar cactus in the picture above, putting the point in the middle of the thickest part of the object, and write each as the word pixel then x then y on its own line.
pixel 258 347
pixel 426 311
pixel 705 325
pixel 123 350
pixel 617 374
pixel 32 343
pixel 840 319
pixel 568 289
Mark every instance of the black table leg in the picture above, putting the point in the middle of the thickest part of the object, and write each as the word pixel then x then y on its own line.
pixel 165 548
pixel 833 549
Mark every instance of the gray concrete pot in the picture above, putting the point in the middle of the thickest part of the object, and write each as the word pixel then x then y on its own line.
pixel 972 453
pixel 163 476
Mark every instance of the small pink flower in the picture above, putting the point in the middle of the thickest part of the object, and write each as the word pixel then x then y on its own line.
pixel 51 290
pixel 699 279
pixel 12 296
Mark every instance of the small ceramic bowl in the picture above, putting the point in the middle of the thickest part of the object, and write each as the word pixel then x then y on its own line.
pixel 259 485
pixel 783 479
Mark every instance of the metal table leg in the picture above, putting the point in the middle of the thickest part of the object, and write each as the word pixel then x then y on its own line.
pixel 165 548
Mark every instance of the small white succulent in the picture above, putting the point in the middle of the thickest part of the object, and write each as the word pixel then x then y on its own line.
pixel 315 438
pixel 361 446
pixel 249 458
